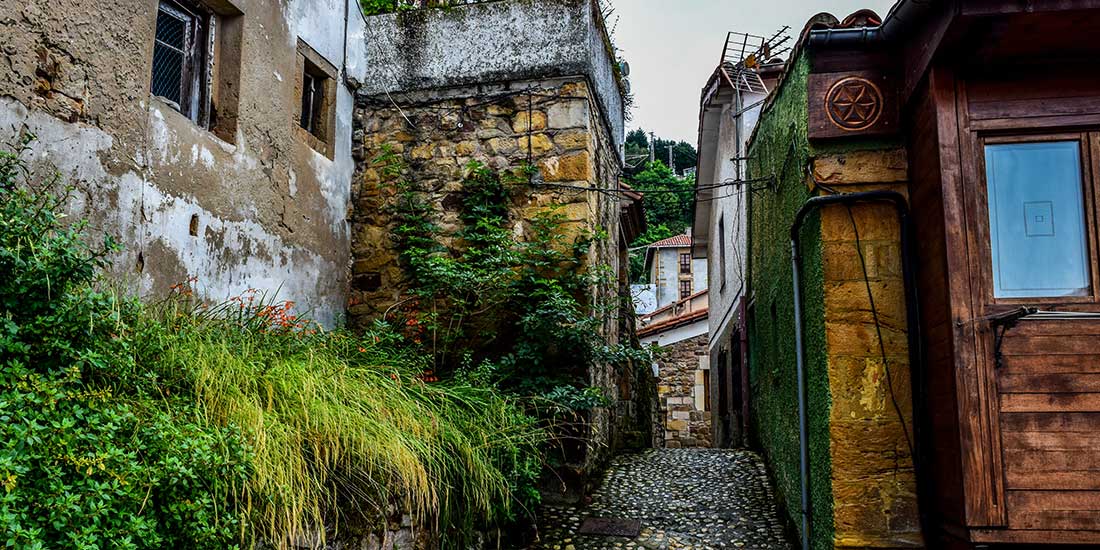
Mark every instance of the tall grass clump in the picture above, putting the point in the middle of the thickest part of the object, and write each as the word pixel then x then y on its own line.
pixel 343 426
pixel 183 425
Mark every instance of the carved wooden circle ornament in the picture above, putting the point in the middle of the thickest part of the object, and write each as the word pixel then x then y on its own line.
pixel 854 103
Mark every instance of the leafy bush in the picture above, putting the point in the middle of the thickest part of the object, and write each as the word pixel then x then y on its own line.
pixel 518 308
pixel 182 425
pixel 84 466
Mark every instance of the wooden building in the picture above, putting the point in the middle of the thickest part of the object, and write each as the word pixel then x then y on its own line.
pixel 996 105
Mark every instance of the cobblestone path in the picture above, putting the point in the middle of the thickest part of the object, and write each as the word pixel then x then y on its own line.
pixel 684 498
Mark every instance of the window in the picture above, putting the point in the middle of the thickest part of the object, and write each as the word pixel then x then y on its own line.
pixel 685 288
pixel 196 70
pixel 685 262
pixel 722 252
pixel 1037 224
pixel 179 59
pixel 313 97
pixel 318 92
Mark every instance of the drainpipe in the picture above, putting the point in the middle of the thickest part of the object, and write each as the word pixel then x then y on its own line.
pixel 916 369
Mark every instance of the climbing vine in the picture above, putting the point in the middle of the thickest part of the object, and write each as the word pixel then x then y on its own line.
pixel 501 300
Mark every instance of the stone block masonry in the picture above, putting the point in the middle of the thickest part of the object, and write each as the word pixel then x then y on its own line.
pixel 549 125
pixel 553 125
pixel 682 394
pixel 874 485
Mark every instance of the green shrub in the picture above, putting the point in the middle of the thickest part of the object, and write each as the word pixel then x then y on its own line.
pixel 328 410
pixel 84 466
pixel 179 425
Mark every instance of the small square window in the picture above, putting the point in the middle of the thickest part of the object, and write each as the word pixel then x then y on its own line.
pixel 318 99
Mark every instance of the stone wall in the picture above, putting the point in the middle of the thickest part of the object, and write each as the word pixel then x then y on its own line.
pixel 681 389
pixel 874 485
pixel 554 125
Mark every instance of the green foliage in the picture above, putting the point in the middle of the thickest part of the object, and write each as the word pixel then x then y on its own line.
pixel 81 465
pixel 179 425
pixel 513 310
pixel 684 155
pixel 669 210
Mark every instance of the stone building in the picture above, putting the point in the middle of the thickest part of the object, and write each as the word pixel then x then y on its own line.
pixel 682 369
pixel 536 85
pixel 181 124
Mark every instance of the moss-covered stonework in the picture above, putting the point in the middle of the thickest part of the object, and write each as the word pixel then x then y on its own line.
pixel 862 481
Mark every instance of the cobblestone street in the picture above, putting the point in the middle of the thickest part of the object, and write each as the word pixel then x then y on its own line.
pixel 684 498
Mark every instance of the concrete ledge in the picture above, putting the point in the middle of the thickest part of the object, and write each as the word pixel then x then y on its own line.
pixel 493 42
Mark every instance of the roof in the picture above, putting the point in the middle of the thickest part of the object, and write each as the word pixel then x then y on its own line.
pixel 673 304
pixel 675 322
pixel 679 241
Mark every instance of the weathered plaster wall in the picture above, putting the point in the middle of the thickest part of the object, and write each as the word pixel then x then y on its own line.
pixel 268 211
pixel 511 41
pixel 680 386
pixel 666 274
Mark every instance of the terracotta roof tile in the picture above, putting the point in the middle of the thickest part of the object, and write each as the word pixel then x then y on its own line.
pixel 677 241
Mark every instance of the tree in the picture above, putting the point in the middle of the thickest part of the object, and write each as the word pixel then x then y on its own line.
pixel 684 155
pixel 669 208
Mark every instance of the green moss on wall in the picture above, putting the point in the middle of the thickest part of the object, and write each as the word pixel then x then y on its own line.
pixel 780 148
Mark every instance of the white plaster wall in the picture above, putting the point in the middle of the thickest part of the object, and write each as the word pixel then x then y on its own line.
pixel 142 215
pixel 730 208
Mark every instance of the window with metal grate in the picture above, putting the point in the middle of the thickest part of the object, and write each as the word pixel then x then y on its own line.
pixel 179 58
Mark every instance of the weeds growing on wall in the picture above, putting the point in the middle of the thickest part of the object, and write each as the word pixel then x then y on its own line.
pixel 181 425
pixel 504 301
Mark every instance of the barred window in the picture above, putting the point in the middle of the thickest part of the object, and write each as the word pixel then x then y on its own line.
pixel 179 58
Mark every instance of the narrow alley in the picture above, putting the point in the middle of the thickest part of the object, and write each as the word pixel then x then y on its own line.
pixel 672 499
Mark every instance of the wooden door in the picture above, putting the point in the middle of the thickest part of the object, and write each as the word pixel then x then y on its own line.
pixel 1034 240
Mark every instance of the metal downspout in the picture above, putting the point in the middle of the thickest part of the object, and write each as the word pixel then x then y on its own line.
pixel 912 315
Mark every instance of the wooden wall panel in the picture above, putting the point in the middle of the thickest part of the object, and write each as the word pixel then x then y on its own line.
pixel 941 414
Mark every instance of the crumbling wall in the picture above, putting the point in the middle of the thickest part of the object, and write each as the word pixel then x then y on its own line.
pixel 249 206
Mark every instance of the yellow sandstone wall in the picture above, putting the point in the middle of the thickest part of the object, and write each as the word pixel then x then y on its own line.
pixel 874 486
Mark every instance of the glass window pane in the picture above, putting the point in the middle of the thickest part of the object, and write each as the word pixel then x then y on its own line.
pixel 1037 220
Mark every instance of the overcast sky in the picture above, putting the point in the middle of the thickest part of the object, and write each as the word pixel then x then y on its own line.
pixel 673 46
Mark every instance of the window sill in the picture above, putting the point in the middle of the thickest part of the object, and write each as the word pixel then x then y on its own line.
pixel 172 112
pixel 314 142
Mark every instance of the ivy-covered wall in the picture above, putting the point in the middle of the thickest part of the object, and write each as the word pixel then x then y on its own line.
pixel 863 488
pixel 780 148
